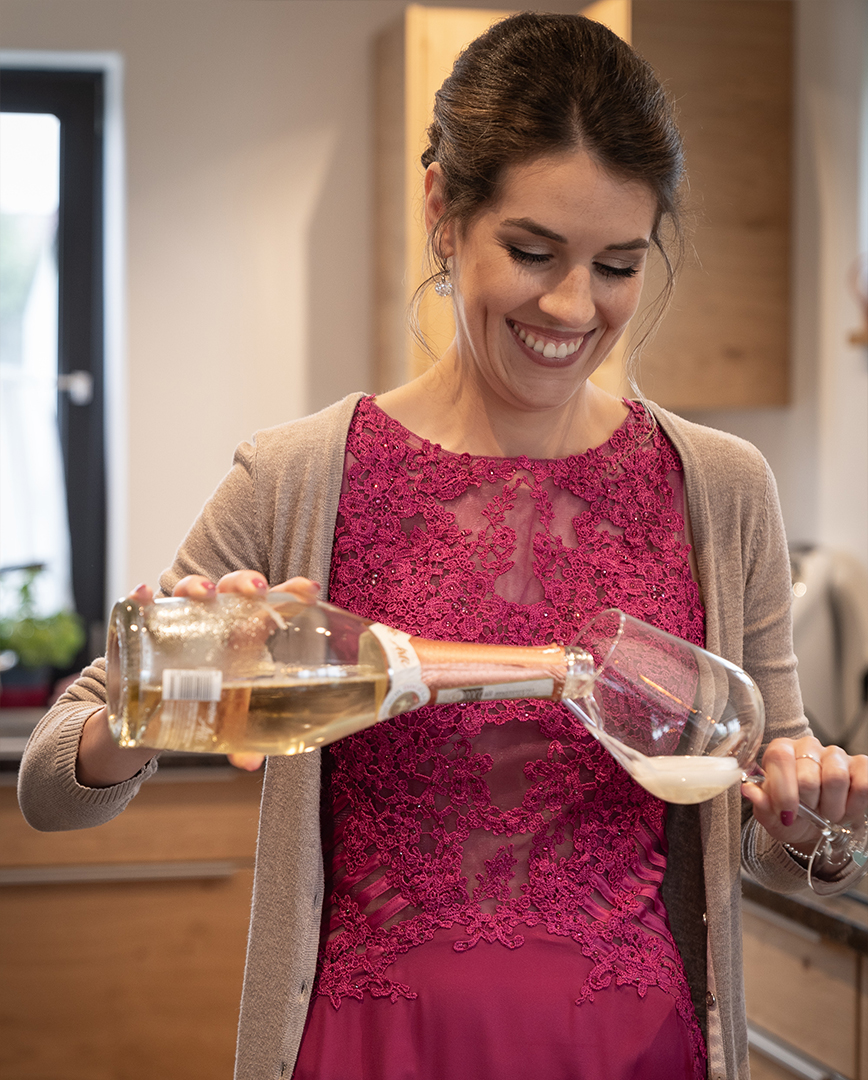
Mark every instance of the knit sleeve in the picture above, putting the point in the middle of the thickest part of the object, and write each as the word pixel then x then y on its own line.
pixel 50 796
pixel 227 534
pixel 273 512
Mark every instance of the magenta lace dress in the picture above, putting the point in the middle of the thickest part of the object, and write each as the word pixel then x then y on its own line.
pixel 492 875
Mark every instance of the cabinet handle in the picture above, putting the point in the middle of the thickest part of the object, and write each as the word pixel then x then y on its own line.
pixel 119 872
pixel 788 1057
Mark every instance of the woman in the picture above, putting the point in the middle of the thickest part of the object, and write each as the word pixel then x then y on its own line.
pixel 478 890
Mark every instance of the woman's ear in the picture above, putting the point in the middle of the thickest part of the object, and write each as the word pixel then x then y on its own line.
pixel 434 204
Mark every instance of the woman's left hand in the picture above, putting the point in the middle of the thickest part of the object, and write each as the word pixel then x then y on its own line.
pixel 825 778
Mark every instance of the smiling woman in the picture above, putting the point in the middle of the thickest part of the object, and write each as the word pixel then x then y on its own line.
pixel 477 890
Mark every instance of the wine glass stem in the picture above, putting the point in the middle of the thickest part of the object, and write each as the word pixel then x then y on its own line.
pixel 821 822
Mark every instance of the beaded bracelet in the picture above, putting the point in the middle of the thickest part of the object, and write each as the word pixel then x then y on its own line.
pixel 799 856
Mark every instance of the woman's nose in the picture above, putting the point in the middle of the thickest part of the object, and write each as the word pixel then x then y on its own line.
pixel 570 299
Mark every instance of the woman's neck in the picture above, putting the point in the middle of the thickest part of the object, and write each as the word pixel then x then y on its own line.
pixel 464 419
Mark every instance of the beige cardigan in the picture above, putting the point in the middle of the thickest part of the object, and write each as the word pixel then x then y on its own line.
pixel 275 512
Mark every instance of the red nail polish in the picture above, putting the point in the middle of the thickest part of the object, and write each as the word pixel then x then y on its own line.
pixel 209 586
pixel 260 583
pixel 787 818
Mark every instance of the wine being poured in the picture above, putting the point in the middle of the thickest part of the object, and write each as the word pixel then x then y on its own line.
pixel 284 676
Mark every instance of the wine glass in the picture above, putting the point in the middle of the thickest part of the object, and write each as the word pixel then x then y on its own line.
pixel 686 725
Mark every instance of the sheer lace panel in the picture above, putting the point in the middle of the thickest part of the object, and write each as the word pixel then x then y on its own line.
pixel 493 817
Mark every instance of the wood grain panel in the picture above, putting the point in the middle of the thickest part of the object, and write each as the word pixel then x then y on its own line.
pixel 122 982
pixel 725 344
pixel 802 989
pixel 173 820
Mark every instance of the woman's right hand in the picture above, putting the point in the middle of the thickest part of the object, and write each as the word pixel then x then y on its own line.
pixel 100 761
pixel 245 583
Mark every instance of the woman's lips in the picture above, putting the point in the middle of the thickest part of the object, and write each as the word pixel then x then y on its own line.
pixel 546 346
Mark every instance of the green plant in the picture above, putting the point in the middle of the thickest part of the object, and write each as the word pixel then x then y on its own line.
pixel 39 640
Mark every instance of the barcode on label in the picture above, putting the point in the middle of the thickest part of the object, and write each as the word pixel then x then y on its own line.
pixel 531 688
pixel 201 684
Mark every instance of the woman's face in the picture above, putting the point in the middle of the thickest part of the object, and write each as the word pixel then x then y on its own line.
pixel 546 278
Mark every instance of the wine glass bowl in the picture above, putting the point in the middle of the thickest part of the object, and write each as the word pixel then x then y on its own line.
pixel 684 723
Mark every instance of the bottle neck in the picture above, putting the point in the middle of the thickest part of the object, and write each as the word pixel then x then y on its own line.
pixel 448 672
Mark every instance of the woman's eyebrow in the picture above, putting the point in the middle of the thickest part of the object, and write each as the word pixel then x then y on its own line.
pixel 531 226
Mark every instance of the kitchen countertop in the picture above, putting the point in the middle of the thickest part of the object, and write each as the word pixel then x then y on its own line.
pixel 842 918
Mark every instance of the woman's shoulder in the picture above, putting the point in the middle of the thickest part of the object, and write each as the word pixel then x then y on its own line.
pixel 720 456
pixel 312 430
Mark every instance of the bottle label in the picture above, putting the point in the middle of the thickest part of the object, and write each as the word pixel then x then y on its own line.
pixel 406 689
pixel 530 688
pixel 199 684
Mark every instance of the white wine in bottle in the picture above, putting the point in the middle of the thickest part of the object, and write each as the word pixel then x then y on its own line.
pixel 283 676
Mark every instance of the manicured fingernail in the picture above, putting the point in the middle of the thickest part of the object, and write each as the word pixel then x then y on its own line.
pixel 317 586
pixel 209 586
pixel 260 583
pixel 787 818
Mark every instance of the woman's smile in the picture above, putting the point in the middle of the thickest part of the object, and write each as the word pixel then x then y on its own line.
pixel 548 347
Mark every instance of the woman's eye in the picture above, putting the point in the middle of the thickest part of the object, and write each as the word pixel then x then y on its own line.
pixel 529 258
pixel 616 271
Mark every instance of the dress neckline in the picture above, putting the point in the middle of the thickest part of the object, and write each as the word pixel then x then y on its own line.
pixel 636 417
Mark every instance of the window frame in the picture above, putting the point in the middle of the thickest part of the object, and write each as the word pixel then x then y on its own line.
pixel 76 97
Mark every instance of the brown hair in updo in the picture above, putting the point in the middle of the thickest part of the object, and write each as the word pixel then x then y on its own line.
pixel 537 84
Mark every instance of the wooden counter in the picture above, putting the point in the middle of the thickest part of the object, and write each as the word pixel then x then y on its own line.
pixel 123 946
pixel 806 982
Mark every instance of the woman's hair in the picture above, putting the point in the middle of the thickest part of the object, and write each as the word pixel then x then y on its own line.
pixel 536 84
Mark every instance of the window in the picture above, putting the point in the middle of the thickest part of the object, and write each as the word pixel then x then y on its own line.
pixel 53 294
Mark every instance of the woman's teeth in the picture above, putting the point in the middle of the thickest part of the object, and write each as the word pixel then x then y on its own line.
pixel 548 348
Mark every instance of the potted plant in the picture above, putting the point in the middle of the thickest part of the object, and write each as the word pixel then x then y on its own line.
pixel 32 646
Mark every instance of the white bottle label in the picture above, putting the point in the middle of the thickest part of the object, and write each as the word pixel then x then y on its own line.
pixel 530 688
pixel 192 684
pixel 406 689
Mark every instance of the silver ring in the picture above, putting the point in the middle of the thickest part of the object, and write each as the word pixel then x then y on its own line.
pixel 810 757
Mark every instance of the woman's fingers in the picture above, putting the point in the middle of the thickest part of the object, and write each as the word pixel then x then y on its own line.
pixel 823 778
pixel 781 786
pixel 196 587
pixel 304 588
pixel 251 583
pixel 247 762
pixel 834 783
pixel 142 594
pixel 245 582
pixel 857 798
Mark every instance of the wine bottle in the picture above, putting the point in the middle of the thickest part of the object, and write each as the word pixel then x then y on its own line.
pixel 283 676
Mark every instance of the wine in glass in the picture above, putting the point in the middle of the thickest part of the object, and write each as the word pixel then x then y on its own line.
pixel 687 725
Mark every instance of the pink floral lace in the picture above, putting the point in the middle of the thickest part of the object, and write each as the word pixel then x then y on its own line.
pixel 489 818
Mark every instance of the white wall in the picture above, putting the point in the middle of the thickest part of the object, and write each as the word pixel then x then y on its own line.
pixel 249 250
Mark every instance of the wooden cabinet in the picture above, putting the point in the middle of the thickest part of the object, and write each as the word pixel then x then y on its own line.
pixel 803 990
pixel 725 341
pixel 123 946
